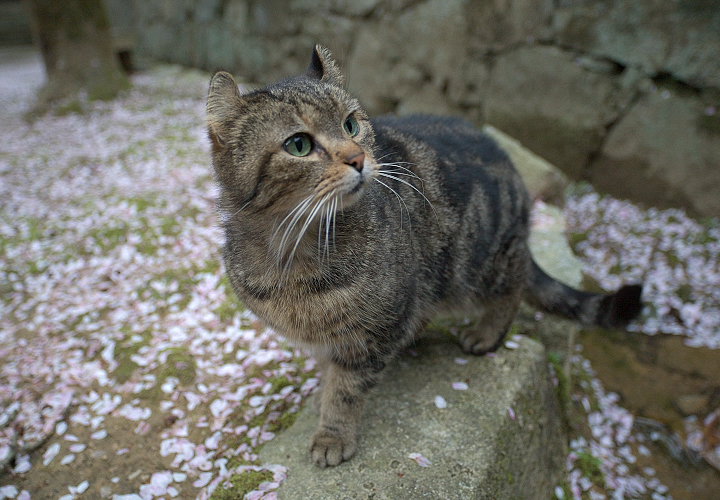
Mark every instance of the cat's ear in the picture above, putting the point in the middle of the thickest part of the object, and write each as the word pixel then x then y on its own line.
pixel 323 67
pixel 224 103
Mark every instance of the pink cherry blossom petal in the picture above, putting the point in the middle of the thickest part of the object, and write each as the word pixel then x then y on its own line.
pixel 420 459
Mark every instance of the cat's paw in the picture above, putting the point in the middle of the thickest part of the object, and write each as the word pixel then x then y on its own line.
pixel 479 343
pixel 330 449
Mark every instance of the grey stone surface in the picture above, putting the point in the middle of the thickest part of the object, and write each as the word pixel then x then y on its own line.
pixel 476 448
pixel 563 77
pixel 14 24
pixel 665 151
pixel 542 179
pixel 542 97
pixel 398 60
pixel 681 38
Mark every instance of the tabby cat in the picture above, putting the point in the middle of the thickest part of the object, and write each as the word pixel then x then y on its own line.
pixel 346 234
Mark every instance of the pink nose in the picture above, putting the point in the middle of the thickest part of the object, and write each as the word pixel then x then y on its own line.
pixel 356 161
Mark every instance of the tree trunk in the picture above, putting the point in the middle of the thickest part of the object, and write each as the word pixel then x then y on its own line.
pixel 76 45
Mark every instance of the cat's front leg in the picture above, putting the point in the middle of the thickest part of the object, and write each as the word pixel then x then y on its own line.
pixel 342 399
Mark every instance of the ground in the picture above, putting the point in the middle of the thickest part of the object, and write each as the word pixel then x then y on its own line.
pixel 128 368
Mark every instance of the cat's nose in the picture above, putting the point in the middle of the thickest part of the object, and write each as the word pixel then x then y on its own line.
pixel 356 161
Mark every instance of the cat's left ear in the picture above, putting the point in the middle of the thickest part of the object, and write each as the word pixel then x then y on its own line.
pixel 224 104
pixel 323 67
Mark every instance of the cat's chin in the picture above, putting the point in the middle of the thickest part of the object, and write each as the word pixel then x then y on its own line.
pixel 352 197
pixel 354 193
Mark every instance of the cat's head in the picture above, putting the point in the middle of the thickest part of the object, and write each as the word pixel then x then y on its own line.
pixel 304 138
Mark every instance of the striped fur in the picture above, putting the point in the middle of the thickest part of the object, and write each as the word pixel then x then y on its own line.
pixel 351 259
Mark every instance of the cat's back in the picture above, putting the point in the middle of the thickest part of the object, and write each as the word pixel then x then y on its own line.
pixel 453 139
pixel 459 156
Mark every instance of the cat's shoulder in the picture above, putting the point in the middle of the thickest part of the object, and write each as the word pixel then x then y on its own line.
pixel 444 134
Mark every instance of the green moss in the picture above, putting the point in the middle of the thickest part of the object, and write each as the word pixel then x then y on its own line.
pixel 110 237
pixel 565 489
pixel 673 259
pixel 515 329
pixel 228 309
pixel 241 484
pixel 169 226
pixel 147 247
pixel 574 239
pixel 180 364
pixel 285 421
pixel 106 89
pixel 589 465
pixel 238 461
pixel 279 383
pixel 685 292
pixel 123 354
pixel 615 269
pixel 557 361
pixel 142 204
pixel 446 327
pixel 35 229
pixel 231 306
pixel 72 107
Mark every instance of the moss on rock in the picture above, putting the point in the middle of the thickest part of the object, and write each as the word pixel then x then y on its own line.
pixel 241 484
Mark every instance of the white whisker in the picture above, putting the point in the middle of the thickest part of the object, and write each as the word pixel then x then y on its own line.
pixel 384 174
pixel 334 213
pixel 296 214
pixel 328 214
pixel 402 173
pixel 315 210
pixel 401 203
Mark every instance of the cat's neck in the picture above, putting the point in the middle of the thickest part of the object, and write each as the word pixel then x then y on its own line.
pixel 267 246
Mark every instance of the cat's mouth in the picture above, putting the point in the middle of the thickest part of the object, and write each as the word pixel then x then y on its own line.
pixel 358 186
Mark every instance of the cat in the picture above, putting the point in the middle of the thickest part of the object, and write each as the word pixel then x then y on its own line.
pixel 346 234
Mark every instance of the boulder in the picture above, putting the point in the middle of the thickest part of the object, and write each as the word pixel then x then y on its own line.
pixel 543 97
pixel 664 152
pixel 391 58
pixel 678 38
pixel 543 180
pixel 500 438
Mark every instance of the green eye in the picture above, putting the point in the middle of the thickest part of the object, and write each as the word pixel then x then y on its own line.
pixel 298 144
pixel 351 126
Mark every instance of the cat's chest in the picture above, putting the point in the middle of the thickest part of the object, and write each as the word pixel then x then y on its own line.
pixel 305 310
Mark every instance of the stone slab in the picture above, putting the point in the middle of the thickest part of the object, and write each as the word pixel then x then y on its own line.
pixel 501 438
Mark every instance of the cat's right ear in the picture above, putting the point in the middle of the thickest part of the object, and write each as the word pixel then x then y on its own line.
pixel 223 106
pixel 323 67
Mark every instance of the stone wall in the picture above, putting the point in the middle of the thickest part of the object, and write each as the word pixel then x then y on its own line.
pixel 624 94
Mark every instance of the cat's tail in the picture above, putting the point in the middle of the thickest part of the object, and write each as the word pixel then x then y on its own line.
pixel 614 310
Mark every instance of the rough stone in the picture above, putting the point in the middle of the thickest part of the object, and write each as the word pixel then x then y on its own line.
pixel 477 449
pixel 498 24
pixel 557 75
pixel 692 404
pixel 14 24
pixel 664 152
pixel 679 38
pixel 543 180
pixel 552 105
pixel 392 59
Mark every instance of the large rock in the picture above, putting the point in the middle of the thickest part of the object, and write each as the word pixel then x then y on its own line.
pixel 557 75
pixel 393 61
pixel 543 180
pixel 477 449
pixel 543 97
pixel 498 24
pixel 665 151
pixel 678 38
